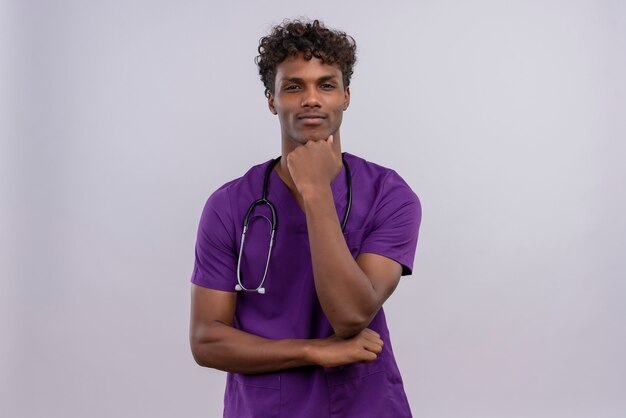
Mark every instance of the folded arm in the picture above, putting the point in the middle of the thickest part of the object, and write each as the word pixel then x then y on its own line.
pixel 216 344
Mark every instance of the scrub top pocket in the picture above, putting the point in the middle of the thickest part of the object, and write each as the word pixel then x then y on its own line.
pixel 349 385
pixel 256 395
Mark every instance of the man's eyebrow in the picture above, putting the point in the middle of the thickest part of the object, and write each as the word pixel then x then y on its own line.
pixel 301 81
pixel 292 80
pixel 327 78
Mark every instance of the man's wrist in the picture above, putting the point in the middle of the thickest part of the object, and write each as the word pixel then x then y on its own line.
pixel 315 193
pixel 310 350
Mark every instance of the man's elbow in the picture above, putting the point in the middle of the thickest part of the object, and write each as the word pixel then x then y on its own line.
pixel 198 353
pixel 349 328
pixel 201 350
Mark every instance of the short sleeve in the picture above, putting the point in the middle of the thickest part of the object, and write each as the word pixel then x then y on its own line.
pixel 216 258
pixel 396 223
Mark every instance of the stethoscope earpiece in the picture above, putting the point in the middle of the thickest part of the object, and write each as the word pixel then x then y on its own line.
pixel 260 290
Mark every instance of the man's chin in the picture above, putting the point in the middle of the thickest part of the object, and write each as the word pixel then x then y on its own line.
pixel 303 138
pixel 314 138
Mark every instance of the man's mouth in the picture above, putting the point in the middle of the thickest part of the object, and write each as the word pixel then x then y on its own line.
pixel 311 118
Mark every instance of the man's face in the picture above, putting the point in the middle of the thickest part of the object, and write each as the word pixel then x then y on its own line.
pixel 309 99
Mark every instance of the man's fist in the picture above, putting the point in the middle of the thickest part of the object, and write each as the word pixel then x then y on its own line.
pixel 313 165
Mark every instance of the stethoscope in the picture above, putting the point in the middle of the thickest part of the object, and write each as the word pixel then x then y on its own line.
pixel 274 223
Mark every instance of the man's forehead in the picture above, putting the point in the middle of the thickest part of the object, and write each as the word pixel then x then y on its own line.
pixel 298 67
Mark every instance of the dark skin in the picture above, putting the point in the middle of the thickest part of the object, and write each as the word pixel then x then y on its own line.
pixel 309 99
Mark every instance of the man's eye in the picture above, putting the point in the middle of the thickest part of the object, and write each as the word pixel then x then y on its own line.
pixel 291 87
pixel 327 86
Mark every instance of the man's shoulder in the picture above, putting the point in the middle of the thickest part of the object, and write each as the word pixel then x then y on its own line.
pixel 255 174
pixel 385 182
pixel 248 182
pixel 368 170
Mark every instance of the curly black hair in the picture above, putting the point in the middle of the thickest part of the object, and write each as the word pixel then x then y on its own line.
pixel 312 39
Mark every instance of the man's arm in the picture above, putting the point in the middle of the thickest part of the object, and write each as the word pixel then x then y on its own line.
pixel 350 291
pixel 216 344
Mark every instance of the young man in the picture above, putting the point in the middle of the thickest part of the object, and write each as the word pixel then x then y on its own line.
pixel 298 323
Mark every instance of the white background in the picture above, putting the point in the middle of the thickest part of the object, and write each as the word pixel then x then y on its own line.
pixel 507 118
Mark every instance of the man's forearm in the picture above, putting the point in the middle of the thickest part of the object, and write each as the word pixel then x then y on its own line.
pixel 346 294
pixel 223 347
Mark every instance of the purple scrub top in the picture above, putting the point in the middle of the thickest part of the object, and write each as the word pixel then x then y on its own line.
pixel 384 220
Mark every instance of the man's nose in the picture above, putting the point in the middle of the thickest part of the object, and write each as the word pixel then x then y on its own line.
pixel 311 98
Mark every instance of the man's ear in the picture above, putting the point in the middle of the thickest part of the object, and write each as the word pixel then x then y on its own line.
pixel 270 103
pixel 346 98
